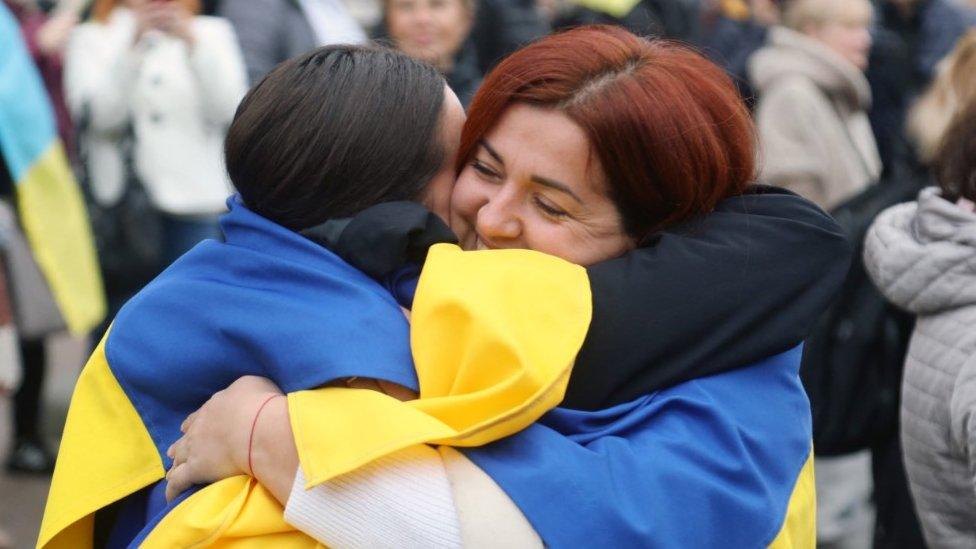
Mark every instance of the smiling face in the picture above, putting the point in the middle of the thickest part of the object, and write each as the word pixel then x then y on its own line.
pixel 534 183
pixel 430 30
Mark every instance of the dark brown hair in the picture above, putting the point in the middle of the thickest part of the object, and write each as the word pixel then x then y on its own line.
pixel 668 126
pixel 955 160
pixel 334 131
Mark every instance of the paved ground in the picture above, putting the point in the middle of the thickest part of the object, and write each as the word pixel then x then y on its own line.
pixel 22 497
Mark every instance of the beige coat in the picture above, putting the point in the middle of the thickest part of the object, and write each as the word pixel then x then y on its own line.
pixel 813 129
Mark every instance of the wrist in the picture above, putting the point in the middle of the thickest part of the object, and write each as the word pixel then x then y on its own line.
pixel 271 435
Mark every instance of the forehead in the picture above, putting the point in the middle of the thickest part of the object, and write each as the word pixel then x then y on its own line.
pixel 544 142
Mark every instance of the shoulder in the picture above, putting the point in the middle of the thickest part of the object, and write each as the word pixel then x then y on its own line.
pixel 210 24
pixel 791 94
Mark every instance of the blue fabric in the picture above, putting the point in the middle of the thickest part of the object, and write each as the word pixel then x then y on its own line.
pixel 182 233
pixel 266 302
pixel 402 285
pixel 708 463
pixel 27 127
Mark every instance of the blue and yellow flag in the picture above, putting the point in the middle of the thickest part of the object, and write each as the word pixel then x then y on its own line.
pixel 721 461
pixel 52 210
pixel 492 352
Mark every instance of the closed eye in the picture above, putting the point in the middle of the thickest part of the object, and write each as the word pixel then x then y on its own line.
pixel 549 210
pixel 485 170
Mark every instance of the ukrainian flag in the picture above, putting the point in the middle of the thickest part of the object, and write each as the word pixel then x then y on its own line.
pixel 492 350
pixel 51 207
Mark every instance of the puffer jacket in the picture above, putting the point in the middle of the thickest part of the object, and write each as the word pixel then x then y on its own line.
pixel 922 256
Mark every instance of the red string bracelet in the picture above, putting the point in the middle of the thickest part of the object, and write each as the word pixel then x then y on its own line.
pixel 250 440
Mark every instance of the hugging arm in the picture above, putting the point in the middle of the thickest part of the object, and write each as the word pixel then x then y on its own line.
pixel 743 283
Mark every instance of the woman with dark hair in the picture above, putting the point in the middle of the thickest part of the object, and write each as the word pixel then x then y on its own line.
pixel 267 300
pixel 579 146
pixel 920 255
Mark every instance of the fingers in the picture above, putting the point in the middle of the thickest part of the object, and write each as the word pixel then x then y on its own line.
pixel 179 451
pixel 189 421
pixel 177 481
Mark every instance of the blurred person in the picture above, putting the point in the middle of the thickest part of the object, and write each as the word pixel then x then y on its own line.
pixel 10 368
pixel 675 19
pixel 911 37
pixel 954 86
pixel 436 31
pixel 45 37
pixel 153 87
pixel 503 26
pixel 271 31
pixel 930 29
pixel 921 256
pixel 739 29
pixel 816 140
pixel 47 246
pixel 813 100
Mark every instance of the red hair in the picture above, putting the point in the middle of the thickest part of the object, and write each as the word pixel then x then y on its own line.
pixel 670 130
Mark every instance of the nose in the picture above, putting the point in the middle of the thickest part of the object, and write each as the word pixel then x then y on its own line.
pixel 498 220
pixel 423 15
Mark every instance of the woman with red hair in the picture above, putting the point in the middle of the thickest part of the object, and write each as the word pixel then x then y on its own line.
pixel 684 423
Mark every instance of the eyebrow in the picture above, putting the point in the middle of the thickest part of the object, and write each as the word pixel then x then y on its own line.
pixel 544 181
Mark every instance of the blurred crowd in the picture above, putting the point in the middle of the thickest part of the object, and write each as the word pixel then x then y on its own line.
pixel 852 100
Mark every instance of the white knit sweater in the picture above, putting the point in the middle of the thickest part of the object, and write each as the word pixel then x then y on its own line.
pixel 419 497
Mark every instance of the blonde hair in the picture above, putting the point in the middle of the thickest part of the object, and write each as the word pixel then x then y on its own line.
pixel 103 8
pixel 801 14
pixel 954 86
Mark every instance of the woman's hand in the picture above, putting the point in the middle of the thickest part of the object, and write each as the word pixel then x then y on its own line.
pixel 169 17
pixel 54 33
pixel 216 437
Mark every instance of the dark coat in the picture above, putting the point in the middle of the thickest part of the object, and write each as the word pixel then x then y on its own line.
pixel 708 296
pixel 503 26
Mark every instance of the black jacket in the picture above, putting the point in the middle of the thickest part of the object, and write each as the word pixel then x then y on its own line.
pixel 738 285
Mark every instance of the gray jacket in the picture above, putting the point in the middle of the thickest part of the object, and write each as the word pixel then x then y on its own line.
pixel 271 31
pixel 922 256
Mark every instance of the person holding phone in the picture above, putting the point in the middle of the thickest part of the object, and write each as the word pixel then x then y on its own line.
pixel 154 86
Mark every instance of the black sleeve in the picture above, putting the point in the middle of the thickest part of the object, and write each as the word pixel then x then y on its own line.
pixel 736 286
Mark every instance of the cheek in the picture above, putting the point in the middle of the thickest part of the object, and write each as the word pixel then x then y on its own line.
pixel 465 200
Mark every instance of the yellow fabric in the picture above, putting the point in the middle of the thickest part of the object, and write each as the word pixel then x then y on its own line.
pixel 735 9
pixel 494 335
pixel 55 221
pixel 235 512
pixel 493 347
pixel 106 454
pixel 800 528
pixel 615 8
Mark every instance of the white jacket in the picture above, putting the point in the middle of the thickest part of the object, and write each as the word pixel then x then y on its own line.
pixel 178 101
